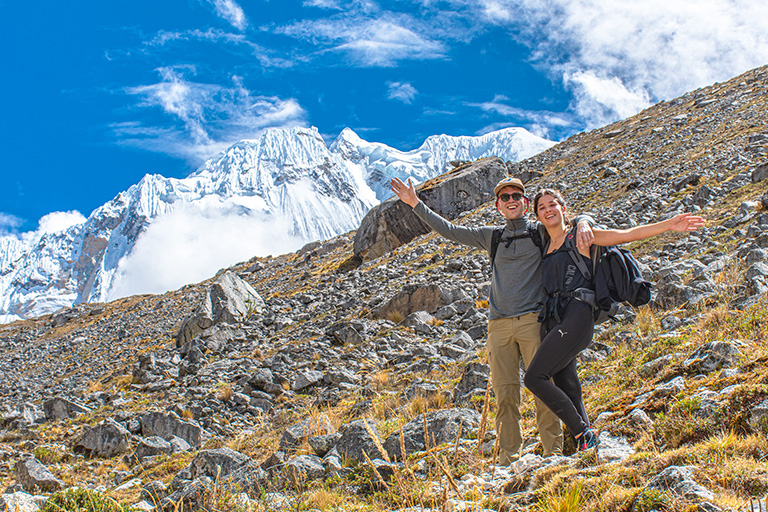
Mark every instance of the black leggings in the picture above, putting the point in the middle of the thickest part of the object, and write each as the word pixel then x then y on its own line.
pixel 556 360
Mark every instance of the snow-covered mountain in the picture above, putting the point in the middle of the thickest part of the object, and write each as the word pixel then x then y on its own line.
pixel 259 197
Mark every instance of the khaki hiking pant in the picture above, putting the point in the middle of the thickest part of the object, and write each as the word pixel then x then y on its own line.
pixel 508 340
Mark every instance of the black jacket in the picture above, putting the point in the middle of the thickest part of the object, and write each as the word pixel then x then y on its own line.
pixel 618 279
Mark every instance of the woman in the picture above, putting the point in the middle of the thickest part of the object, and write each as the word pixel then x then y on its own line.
pixel 567 323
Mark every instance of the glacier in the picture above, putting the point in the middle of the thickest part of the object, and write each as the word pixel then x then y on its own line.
pixel 268 195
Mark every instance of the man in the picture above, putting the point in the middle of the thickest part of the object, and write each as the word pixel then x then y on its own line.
pixel 515 300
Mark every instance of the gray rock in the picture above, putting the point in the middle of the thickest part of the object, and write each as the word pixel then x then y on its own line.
pixel 441 427
pixel 229 300
pixel 419 298
pixel 151 446
pixel 332 461
pixel 392 223
pixel 668 388
pixel 303 468
pixel 462 339
pixel 758 416
pixel 18 502
pixel 420 321
pixel 154 491
pixel 345 332
pixel 306 379
pixel 60 409
pixel 35 477
pixel 301 431
pixel 106 439
pixel 473 382
pixel 321 445
pixel 275 462
pixel 422 389
pixel 217 463
pixel 358 437
pixel 613 449
pixel 670 323
pixel 712 356
pixel 189 497
pixel 652 368
pixel 638 418
pixel 167 425
pixel 760 172
pixel 679 480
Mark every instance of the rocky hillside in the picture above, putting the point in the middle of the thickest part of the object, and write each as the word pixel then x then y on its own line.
pixel 341 378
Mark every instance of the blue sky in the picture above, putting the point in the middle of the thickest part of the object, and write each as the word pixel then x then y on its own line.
pixel 93 95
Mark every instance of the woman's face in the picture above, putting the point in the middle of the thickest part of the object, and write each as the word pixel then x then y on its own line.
pixel 549 211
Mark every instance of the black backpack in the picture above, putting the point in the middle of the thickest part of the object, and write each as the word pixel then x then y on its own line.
pixel 532 232
pixel 617 279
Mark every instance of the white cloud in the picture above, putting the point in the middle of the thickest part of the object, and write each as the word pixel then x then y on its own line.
pixel 377 42
pixel 59 221
pixel 401 91
pixel 9 223
pixel 231 12
pixel 539 122
pixel 206 118
pixel 617 57
pixel 190 245
pixel 54 222
pixel 324 4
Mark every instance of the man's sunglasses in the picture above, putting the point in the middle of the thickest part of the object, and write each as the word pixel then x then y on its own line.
pixel 515 196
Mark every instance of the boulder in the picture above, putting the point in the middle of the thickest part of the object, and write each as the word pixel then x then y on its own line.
pixel 712 356
pixel 758 416
pixel 18 502
pixel 441 427
pixel 345 332
pixel 229 300
pixel 760 172
pixel 306 379
pixel 58 408
pixel 308 427
pixel 217 463
pixel 303 468
pixel 167 425
pixel 392 223
pixel 153 445
pixel 358 437
pixel 35 477
pixel 474 382
pixel 419 298
pixel 679 480
pixel 106 439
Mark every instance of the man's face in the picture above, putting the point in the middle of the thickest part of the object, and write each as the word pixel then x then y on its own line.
pixel 511 208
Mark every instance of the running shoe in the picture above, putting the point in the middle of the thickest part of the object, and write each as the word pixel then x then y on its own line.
pixel 587 440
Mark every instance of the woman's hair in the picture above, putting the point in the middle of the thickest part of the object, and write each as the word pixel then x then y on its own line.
pixel 558 197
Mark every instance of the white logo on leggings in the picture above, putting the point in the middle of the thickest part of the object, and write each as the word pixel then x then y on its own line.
pixel 562 333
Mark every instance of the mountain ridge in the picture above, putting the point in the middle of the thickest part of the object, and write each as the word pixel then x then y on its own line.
pixel 288 182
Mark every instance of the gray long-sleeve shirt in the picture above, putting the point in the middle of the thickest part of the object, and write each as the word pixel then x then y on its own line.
pixel 516 286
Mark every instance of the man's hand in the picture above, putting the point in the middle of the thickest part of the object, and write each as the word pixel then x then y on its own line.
pixel 584 235
pixel 406 193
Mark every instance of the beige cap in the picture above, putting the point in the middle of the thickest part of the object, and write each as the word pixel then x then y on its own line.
pixel 508 182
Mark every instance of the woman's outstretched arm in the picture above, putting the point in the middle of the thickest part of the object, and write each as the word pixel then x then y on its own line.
pixel 682 223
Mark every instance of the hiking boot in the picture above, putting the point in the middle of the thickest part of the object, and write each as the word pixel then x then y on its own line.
pixel 587 440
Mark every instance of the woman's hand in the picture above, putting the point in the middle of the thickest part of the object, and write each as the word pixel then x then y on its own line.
pixel 406 193
pixel 685 222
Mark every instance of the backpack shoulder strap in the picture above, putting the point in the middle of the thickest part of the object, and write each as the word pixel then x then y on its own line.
pixel 586 270
pixel 535 234
pixel 495 241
